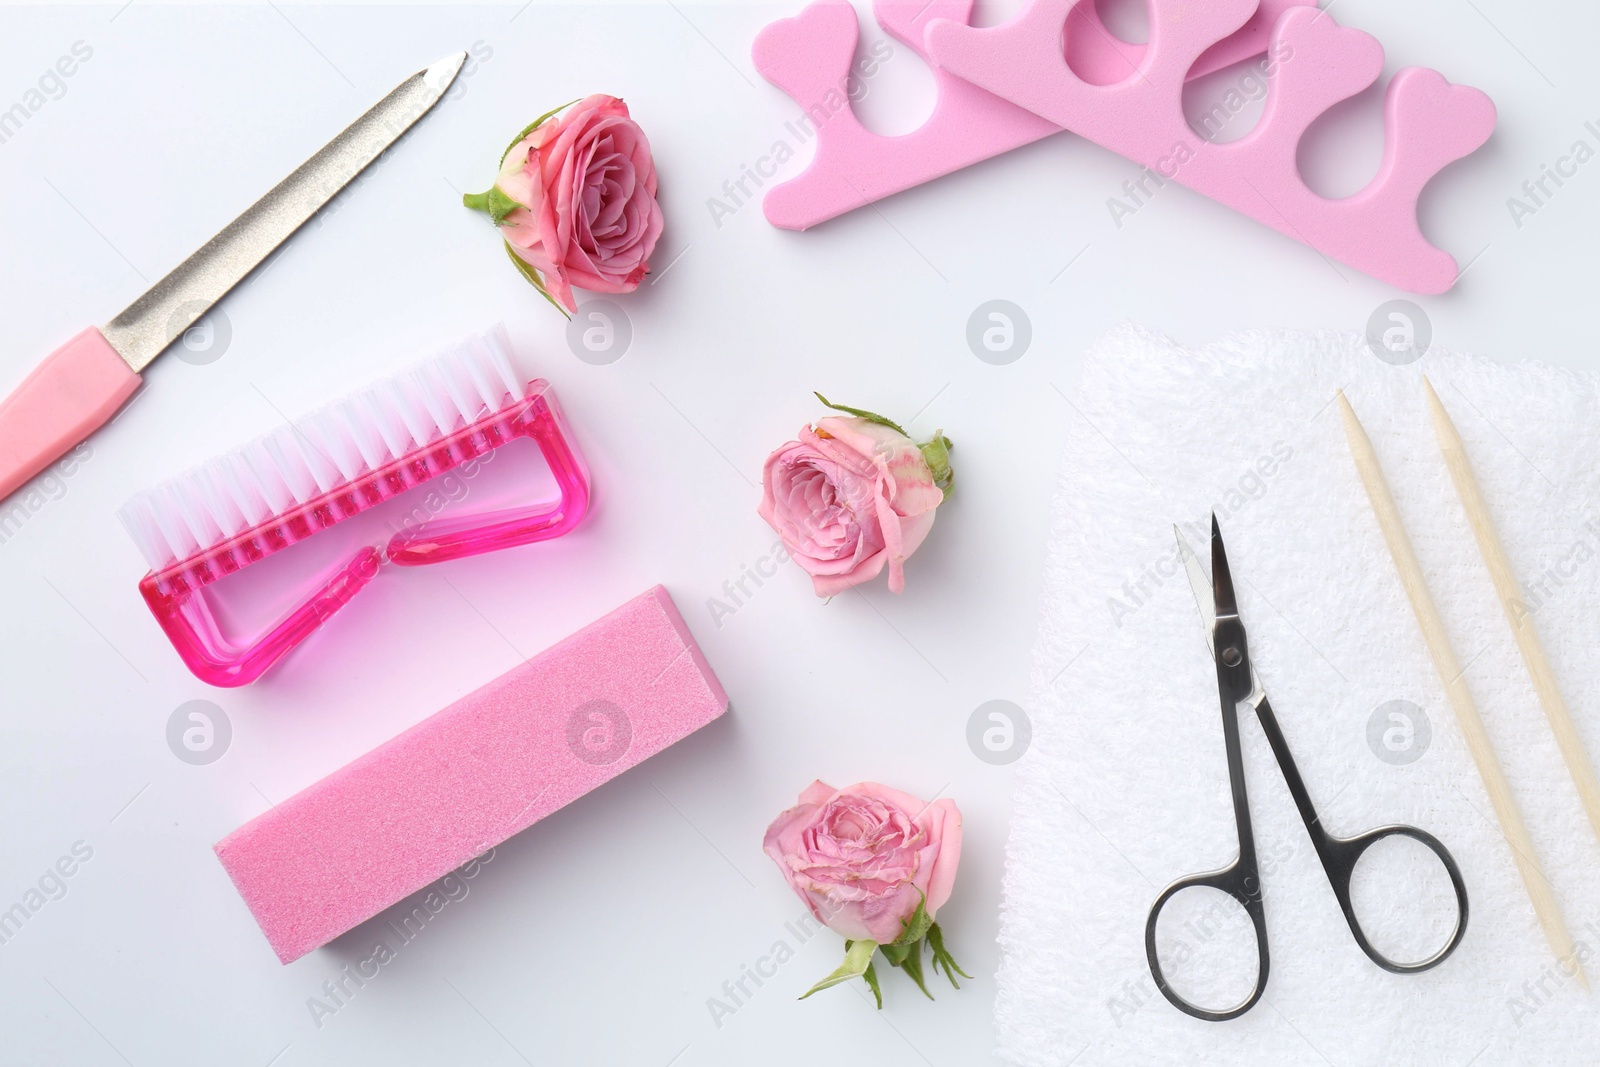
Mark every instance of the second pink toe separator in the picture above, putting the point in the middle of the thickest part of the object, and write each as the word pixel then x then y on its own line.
pixel 1428 123
pixel 810 57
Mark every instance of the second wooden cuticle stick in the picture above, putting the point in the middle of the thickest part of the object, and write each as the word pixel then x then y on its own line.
pixel 1518 616
pixel 1450 671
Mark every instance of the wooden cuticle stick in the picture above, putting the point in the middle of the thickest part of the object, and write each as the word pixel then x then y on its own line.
pixel 1517 613
pixel 1448 665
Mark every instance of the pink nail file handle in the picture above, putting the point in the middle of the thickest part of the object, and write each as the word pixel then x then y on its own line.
pixel 465 779
pixel 67 397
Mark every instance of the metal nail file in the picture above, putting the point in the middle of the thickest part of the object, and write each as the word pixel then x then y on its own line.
pixel 81 385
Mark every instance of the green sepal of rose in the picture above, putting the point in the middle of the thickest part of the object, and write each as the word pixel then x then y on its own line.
pixel 533 279
pixel 495 203
pixel 535 124
pixel 935 452
pixel 904 952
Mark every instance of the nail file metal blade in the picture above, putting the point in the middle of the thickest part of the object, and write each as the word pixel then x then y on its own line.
pixel 81 385
pixel 145 328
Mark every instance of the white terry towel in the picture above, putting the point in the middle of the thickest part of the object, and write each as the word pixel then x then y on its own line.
pixel 1125 788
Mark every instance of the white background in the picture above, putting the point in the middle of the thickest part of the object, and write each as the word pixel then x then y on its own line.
pixel 599 935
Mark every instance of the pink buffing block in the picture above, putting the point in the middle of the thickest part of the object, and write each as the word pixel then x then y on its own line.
pixel 465 779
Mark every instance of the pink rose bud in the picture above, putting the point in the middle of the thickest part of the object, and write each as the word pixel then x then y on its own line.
pixel 876 865
pixel 852 496
pixel 576 201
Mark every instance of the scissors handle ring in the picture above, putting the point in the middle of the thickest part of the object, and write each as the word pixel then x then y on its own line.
pixel 1339 858
pixel 1240 881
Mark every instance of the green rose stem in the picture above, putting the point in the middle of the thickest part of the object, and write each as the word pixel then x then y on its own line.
pixel 494 203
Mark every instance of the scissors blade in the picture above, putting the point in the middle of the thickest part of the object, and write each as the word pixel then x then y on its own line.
pixel 1200 582
pixel 1227 605
pixel 1206 598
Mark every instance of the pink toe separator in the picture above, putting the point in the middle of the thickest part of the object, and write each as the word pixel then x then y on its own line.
pixel 810 57
pixel 1313 64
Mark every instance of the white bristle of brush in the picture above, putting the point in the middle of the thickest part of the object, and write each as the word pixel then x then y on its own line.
pixel 324 450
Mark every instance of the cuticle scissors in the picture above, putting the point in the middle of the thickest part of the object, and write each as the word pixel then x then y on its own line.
pixel 1238 685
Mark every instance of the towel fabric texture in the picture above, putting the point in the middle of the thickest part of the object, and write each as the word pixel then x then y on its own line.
pixel 1125 788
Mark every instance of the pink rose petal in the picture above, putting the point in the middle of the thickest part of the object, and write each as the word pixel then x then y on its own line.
pixel 849 498
pixel 862 858
pixel 587 183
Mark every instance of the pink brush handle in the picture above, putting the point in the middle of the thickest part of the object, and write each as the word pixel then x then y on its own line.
pixel 177 595
pixel 67 397
pixel 194 631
